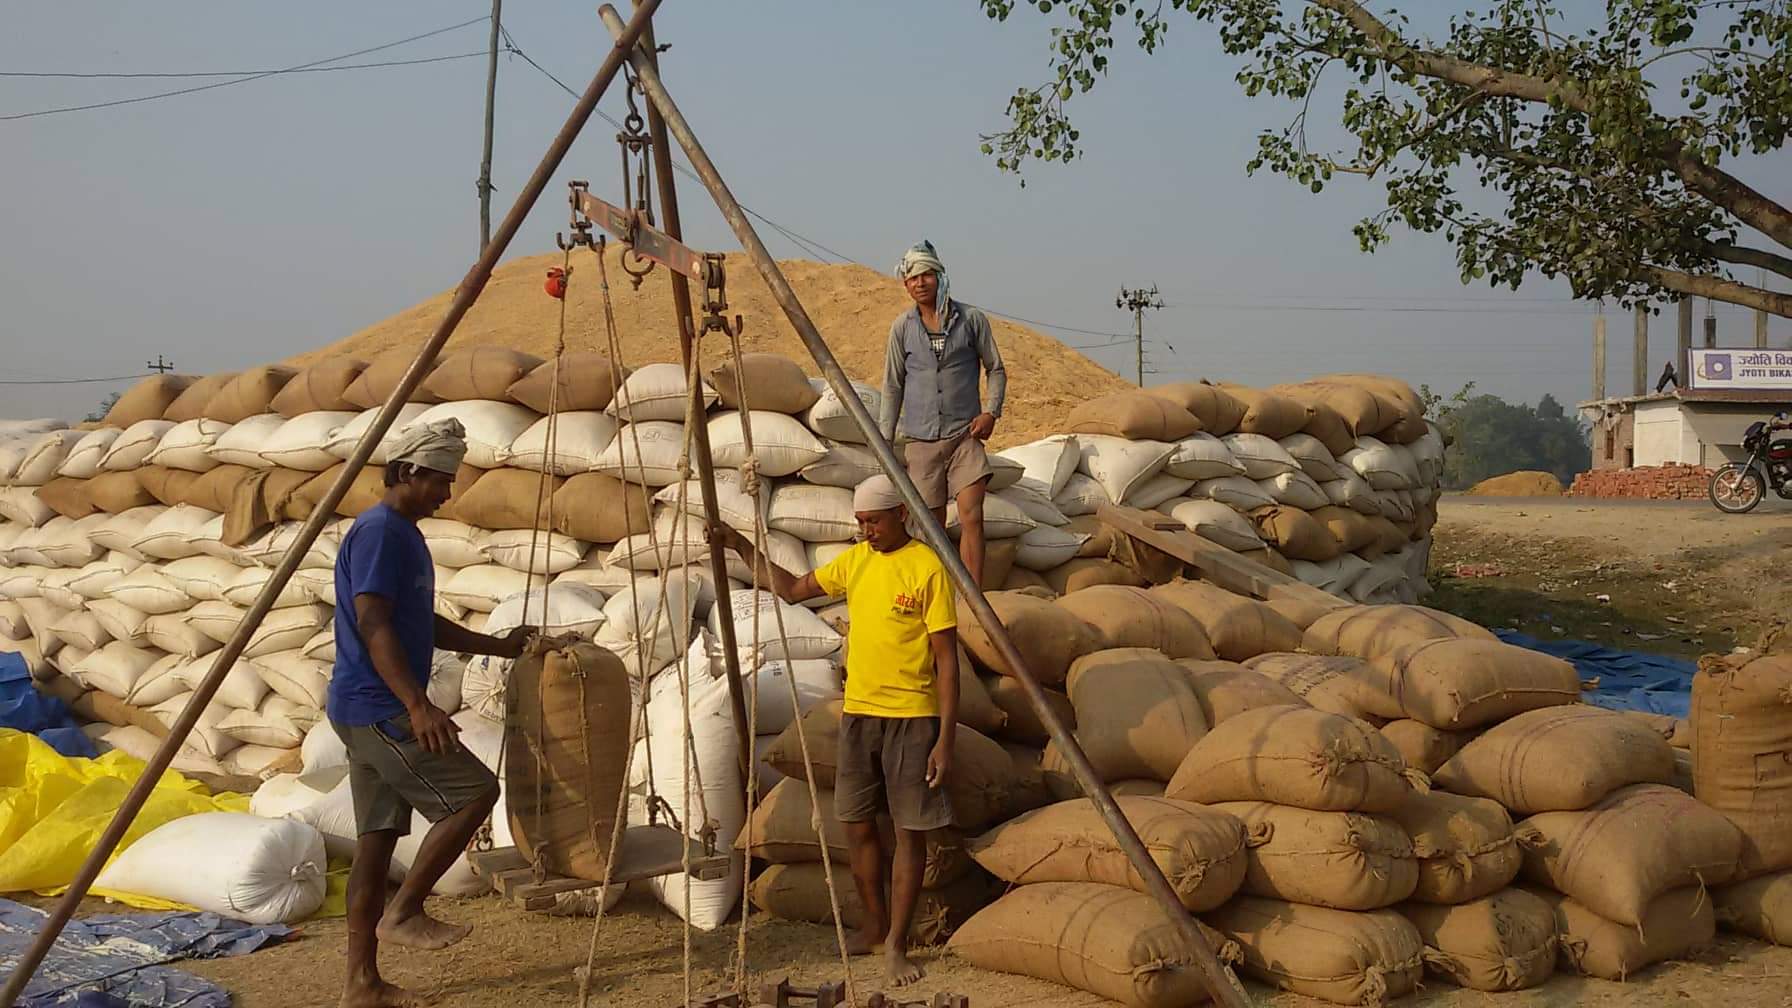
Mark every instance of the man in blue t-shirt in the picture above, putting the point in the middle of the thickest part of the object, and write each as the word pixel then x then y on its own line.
pixel 403 753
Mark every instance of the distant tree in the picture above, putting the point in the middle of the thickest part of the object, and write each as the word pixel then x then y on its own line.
pixel 105 407
pixel 1491 437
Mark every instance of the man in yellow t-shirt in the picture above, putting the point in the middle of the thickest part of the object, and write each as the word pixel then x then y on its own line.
pixel 896 734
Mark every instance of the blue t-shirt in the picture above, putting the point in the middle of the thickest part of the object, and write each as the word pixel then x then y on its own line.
pixel 383 554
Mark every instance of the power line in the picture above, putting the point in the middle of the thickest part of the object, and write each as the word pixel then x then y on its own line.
pixel 70 381
pixel 244 80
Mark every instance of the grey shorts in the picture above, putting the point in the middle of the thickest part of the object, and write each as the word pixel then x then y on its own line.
pixel 883 763
pixel 941 469
pixel 389 774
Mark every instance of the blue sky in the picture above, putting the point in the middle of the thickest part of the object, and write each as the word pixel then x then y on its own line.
pixel 250 222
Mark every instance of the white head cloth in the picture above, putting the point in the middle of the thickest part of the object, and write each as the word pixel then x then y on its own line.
pixel 876 494
pixel 439 446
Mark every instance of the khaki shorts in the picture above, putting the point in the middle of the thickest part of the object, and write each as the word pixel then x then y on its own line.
pixel 941 469
pixel 389 774
pixel 883 762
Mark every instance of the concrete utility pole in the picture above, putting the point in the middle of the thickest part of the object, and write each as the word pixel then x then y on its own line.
pixel 491 98
pixel 1136 300
pixel 159 365
pixel 1683 339
pixel 1599 355
pixel 1640 365
pixel 1710 324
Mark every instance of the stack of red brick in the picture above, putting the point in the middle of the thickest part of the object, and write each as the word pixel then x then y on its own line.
pixel 1675 481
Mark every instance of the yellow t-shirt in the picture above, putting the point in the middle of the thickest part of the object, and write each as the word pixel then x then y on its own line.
pixel 893 601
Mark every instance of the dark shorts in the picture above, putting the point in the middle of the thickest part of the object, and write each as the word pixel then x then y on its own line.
pixel 941 469
pixel 389 774
pixel 883 763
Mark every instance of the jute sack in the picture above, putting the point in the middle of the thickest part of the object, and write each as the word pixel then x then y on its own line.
pixel 506 499
pixel 1370 631
pixel 1628 849
pixel 67 497
pixel 1023 722
pixel 1360 407
pixel 1268 413
pixel 1128 616
pixel 1742 752
pixel 367 490
pixel 1237 627
pixel 1335 683
pixel 1334 955
pixel 1559 759
pixel 1674 924
pixel 1218 410
pixel 318 388
pixel 587 379
pixel 771 382
pixel 381 377
pixel 1424 747
pixel 1294 756
pixel 478 372
pixel 118 492
pixel 1201 850
pixel 1465 683
pixel 1329 427
pixel 1502 942
pixel 782 831
pixel 1342 860
pixel 1098 938
pixel 1136 718
pixel 191 403
pixel 148 399
pixel 600 508
pixel 1227 690
pixel 248 394
pixel 1030 790
pixel 1090 572
pixel 1047 636
pixel 213 490
pixel 1296 534
pixel 1466 846
pixel 566 742
pixel 1353 530
pixel 1761 907
pixel 1137 416
pixel 799 892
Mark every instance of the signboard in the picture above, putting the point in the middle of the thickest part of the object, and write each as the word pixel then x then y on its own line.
pixel 1740 369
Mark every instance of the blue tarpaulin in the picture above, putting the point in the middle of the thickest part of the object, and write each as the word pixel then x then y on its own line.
pixel 1628 680
pixel 23 708
pixel 115 960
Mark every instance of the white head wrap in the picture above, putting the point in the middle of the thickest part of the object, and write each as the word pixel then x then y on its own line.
pixel 921 258
pixel 439 446
pixel 876 494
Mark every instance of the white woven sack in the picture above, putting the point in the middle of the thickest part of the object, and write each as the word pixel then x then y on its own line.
pixel 1156 490
pixel 845 465
pixel 535 552
pixel 148 591
pixel 320 646
pixel 1001 519
pixel 1381 583
pixel 54 587
pixel 254 760
pixel 1237 492
pixel 1428 454
pixel 137 742
pixel 1311 454
pixel 1395 504
pixel 804 634
pixel 646 453
pixel 185 444
pixel 205 739
pixel 1295 489
pixel 247 586
pixel 269 548
pixel 283 795
pixel 656 392
pixel 298 677
pixel 1351 491
pixel 264 871
pixel 120 532
pixel 83 460
pixel 278 723
pixel 23 506
pixel 1260 455
pixel 782 445
pixel 569 608
pixel 322 751
pixel 242 443
pixel 71 544
pixel 817 681
pixel 1047 463
pixel 453 544
pixel 819 555
pixel 132 447
pixel 595 572
pixel 1035 504
pixel 1081 495
pixel 733 504
pixel 92 580
pixel 174 634
pixel 491 426
pixel 1202 456
pixel 243 687
pixel 172 534
pixel 447 671
pixel 713 776
pixel 120 621
pixel 299 443
pixel 783 550
pixel 342 442
pixel 20 428
pixel 651 618
pixel 483 685
pixel 67 658
pixel 12 622
pixel 81 629
pixel 676 540
pixel 1216 521
pixel 481 586
pixel 1044 547
pixel 209 540
pixel 285 629
pixel 580 437
pixel 829 418
pixel 1381 465
pixel 1004 473
pixel 43 455
pixel 1119 465
pixel 813 513
pixel 24 552
pixel 202 578
pixel 1336 575
pixel 155 682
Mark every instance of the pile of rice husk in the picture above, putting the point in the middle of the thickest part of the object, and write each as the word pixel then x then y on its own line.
pixel 851 305
pixel 1524 483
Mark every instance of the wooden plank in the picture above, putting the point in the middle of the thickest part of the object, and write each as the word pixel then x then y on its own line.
pixel 1214 562
pixel 647 852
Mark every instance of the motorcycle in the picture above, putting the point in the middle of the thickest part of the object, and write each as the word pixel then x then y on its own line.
pixel 1736 487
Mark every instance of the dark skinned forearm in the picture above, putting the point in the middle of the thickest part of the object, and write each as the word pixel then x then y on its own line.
pixel 451 636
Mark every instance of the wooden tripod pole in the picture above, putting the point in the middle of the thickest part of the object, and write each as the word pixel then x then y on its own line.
pixel 468 292
pixel 1221 984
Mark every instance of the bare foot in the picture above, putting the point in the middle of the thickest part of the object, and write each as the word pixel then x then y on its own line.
pixel 863 942
pixel 900 970
pixel 421 931
pixel 379 995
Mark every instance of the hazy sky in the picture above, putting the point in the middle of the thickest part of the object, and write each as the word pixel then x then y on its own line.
pixel 246 223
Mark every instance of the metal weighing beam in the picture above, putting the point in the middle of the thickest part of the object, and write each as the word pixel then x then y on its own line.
pixel 1223 986
pixel 465 295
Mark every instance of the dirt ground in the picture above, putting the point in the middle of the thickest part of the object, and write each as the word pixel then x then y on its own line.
pixel 1681 579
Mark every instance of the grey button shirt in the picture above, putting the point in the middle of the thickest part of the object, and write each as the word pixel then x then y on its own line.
pixel 935 397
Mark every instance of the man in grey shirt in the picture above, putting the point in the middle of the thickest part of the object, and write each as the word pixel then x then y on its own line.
pixel 938 351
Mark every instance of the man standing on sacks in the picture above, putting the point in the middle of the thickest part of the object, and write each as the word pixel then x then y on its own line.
pixel 937 352
pixel 403 753
pixel 897 729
